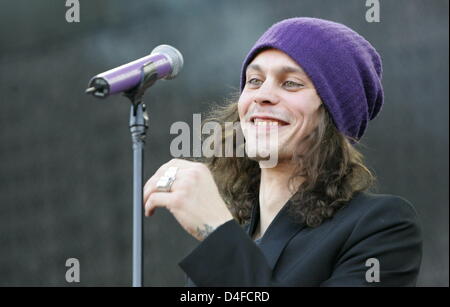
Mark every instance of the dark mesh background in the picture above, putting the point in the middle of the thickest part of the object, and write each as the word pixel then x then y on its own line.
pixel 65 158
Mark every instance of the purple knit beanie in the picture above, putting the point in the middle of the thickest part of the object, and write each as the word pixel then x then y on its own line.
pixel 345 68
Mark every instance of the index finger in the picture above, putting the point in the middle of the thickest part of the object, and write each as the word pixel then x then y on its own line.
pixel 151 182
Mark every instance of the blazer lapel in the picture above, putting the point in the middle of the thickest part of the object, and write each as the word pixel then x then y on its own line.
pixel 282 229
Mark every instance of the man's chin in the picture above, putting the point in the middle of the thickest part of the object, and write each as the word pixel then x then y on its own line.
pixel 262 154
pixel 270 160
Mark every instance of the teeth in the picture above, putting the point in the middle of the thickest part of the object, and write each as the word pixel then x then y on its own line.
pixel 264 123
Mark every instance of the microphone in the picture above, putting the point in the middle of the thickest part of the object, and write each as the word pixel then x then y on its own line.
pixel 164 62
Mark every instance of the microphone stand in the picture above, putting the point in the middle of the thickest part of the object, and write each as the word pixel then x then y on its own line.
pixel 138 127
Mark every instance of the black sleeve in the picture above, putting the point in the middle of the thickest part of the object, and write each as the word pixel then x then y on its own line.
pixel 235 261
pixel 390 232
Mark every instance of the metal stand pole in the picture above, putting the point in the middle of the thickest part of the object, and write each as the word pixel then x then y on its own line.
pixel 138 127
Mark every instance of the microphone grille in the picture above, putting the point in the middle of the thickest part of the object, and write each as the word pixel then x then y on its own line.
pixel 175 57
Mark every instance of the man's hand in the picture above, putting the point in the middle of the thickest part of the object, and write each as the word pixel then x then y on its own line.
pixel 194 199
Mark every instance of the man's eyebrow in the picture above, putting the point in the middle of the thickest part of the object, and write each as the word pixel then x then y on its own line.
pixel 283 69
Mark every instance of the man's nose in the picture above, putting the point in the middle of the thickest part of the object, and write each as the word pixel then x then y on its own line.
pixel 266 93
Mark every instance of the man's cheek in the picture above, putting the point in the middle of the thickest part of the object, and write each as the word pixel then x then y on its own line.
pixel 242 115
pixel 240 111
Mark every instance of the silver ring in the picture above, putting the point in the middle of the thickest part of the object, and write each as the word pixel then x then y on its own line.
pixel 165 182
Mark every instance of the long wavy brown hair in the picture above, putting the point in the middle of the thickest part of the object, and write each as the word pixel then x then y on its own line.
pixel 331 168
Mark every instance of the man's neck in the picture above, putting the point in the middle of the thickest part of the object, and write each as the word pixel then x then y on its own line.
pixel 273 194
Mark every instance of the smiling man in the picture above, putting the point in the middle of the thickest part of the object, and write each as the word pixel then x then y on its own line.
pixel 277 91
pixel 309 220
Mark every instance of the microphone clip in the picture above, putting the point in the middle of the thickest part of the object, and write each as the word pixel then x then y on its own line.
pixel 149 75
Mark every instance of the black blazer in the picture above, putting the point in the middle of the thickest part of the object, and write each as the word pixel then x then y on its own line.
pixel 337 253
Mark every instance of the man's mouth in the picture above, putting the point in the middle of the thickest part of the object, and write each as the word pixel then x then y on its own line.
pixel 267 122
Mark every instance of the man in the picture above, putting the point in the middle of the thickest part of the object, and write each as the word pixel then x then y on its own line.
pixel 307 221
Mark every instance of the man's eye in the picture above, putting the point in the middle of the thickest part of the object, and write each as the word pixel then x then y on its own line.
pixel 254 81
pixel 292 84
